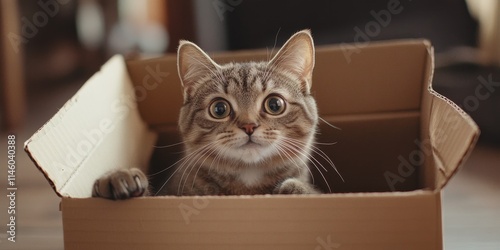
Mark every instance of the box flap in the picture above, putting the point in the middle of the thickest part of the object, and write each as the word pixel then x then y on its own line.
pixel 70 148
pixel 453 135
pixel 447 129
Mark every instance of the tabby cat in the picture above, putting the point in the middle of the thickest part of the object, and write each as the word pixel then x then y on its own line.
pixel 247 128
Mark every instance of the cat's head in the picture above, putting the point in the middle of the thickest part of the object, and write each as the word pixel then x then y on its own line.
pixel 249 112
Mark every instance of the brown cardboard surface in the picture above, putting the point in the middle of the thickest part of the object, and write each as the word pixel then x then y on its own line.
pixel 453 135
pixel 390 121
pixel 448 134
pixel 384 221
pixel 428 173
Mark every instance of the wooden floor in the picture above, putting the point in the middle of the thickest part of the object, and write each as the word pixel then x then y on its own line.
pixel 471 201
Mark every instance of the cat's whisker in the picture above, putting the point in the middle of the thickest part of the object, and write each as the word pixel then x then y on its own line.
pixel 165 183
pixel 214 149
pixel 287 155
pixel 217 159
pixel 186 165
pixel 167 168
pixel 278 149
pixel 317 168
pixel 325 143
pixel 187 157
pixel 190 165
pixel 170 145
pixel 177 169
pixel 295 152
pixel 281 149
pixel 205 154
pixel 315 150
pixel 329 124
pixel 319 152
pixel 175 163
pixel 306 154
pixel 269 55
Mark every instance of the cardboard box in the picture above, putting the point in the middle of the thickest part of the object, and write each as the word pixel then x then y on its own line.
pixel 399 144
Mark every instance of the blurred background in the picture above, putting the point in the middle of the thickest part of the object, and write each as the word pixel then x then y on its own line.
pixel 48 48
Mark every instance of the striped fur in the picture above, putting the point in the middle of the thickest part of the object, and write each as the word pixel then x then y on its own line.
pixel 219 159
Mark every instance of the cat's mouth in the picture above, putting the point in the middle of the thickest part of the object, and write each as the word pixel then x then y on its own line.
pixel 250 144
pixel 250 150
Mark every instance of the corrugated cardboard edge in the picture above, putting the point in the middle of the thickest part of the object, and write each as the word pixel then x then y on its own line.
pixel 442 107
pixel 40 168
pixel 467 131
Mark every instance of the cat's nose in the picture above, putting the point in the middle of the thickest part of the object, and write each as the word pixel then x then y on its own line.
pixel 249 128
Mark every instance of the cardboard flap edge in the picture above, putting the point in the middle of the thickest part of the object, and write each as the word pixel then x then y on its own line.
pixel 35 153
pixel 79 135
pixel 453 135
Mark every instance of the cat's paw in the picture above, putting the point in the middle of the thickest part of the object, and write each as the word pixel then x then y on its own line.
pixel 122 184
pixel 294 186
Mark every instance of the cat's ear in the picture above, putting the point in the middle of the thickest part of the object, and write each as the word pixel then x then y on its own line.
pixel 193 64
pixel 297 57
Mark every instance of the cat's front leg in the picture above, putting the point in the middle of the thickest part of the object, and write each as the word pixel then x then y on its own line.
pixel 295 186
pixel 122 184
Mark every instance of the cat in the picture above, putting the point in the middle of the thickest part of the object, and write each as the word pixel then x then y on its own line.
pixel 247 128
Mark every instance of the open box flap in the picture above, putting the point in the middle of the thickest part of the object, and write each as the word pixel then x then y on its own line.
pixel 453 135
pixel 448 133
pixel 70 150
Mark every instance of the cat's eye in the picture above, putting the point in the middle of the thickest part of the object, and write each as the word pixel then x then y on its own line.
pixel 274 105
pixel 220 109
